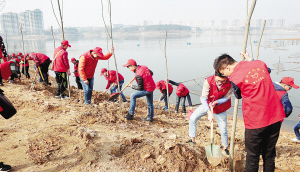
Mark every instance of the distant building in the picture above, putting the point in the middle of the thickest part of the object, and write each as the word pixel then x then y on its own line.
pixel 145 23
pixel 270 23
pixel 224 23
pixel 212 23
pixel 280 23
pixel 32 22
pixel 201 24
pixel 258 23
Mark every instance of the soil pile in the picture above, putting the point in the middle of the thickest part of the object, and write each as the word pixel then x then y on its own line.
pixel 49 134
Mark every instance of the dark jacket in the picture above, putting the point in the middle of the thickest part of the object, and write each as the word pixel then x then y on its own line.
pixel 285 101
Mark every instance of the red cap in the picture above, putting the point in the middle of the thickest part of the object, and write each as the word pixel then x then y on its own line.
pixel 130 62
pixel 157 85
pixel 72 59
pixel 102 71
pixel 65 42
pixel 20 54
pixel 13 54
pixel 98 50
pixel 289 81
pixel 26 55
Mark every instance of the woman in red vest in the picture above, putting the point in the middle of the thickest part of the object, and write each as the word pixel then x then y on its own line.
pixel 162 87
pixel 145 87
pixel 216 92
pixel 76 73
pixel 262 109
pixel 182 93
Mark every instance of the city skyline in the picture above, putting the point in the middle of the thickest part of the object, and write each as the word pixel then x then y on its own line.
pixel 133 12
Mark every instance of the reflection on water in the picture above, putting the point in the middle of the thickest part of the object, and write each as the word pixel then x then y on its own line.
pixel 189 56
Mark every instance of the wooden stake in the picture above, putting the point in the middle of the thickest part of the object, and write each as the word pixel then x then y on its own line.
pixel 167 81
pixel 53 37
pixel 236 100
pixel 21 29
pixel 61 20
pixel 261 34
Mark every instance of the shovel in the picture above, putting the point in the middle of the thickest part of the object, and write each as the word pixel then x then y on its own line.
pixel 213 152
pixel 115 95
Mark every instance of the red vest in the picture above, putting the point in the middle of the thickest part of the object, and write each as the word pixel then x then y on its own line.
pixel 61 63
pixel 163 86
pixel 40 58
pixel 5 70
pixel 90 64
pixel 215 94
pixel 261 105
pixel 112 76
pixel 26 61
pixel 76 68
pixel 181 90
pixel 143 71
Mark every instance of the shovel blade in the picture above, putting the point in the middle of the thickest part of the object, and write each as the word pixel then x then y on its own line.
pixel 213 154
pixel 114 96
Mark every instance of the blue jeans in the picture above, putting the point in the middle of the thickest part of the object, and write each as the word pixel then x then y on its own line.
pixel 88 90
pixel 114 89
pixel 149 98
pixel 166 101
pixel 296 130
pixel 221 119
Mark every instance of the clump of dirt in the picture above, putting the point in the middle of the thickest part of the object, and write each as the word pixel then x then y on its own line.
pixel 39 150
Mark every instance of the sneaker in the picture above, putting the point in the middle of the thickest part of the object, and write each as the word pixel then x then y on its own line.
pixel 225 152
pixel 191 142
pixel 11 81
pixel 4 167
pixel 176 112
pixel 59 96
pixel 1 84
pixel 295 140
pixel 129 116
pixel 183 114
pixel 66 97
pixel 164 107
pixel 147 119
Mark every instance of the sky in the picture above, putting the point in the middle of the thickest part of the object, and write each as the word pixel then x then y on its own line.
pixel 82 13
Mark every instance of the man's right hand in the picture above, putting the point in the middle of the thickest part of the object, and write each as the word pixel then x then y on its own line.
pixel 105 91
pixel 86 82
pixel 210 116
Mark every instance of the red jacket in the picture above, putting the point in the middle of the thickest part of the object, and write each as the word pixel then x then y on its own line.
pixel 215 94
pixel 163 86
pixel 88 64
pixel 261 105
pixel 39 58
pixel 181 90
pixel 112 77
pixel 5 70
pixel 26 62
pixel 143 71
pixel 17 61
pixel 61 63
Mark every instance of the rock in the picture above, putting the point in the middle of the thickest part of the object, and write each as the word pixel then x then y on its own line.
pixel 163 130
pixel 169 144
pixel 145 155
pixel 173 136
pixel 160 160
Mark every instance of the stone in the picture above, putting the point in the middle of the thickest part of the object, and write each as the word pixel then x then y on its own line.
pixel 173 136
pixel 160 160
pixel 169 144
pixel 145 155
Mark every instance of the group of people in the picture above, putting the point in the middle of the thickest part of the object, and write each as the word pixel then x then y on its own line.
pixel 265 104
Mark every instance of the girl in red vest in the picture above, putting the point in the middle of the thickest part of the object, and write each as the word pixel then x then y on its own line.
pixel 216 92
pixel 162 87
pixel 111 77
pixel 182 93
pixel 262 109
pixel 145 87
pixel 76 73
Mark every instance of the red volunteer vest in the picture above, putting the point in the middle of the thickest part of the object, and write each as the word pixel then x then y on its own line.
pixel 76 68
pixel 261 105
pixel 181 90
pixel 215 94
pixel 90 64
pixel 143 71
pixel 40 57
pixel 112 76
pixel 163 86
pixel 5 70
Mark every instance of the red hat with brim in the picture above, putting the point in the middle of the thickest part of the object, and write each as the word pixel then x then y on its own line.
pixel 289 81
pixel 102 71
pixel 130 62
pixel 26 55
pixel 19 54
pixel 72 59
pixel 65 42
pixel 98 50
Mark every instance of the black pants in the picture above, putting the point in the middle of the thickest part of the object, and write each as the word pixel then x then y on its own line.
pixel 79 83
pixel 62 83
pixel 44 69
pixel 18 70
pixel 261 140
pixel 27 73
pixel 182 104
pixel 13 75
pixel 0 77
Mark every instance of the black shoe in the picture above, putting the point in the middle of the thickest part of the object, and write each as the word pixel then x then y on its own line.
pixel 129 116
pixel 191 142
pixel 147 119
pixel 4 167
pixel 125 101
pixel 225 152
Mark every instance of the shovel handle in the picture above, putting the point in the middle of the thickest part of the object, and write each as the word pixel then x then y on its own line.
pixel 41 73
pixel 127 84
pixel 212 127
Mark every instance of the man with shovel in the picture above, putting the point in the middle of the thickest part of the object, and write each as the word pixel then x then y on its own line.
pixel 112 83
pixel 162 87
pixel 262 109
pixel 145 87
pixel 87 66
pixel 216 92
pixel 42 63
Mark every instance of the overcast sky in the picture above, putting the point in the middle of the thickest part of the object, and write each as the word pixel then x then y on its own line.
pixel 81 13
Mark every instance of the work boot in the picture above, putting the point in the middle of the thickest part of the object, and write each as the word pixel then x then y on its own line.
pixel 147 119
pixel 4 167
pixel 191 142
pixel 129 116
pixel 125 101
